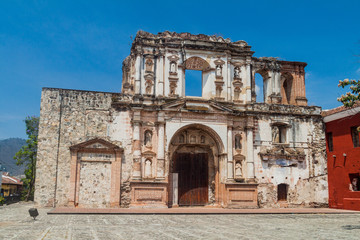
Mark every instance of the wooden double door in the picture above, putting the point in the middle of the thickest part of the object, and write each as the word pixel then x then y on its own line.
pixel 193 178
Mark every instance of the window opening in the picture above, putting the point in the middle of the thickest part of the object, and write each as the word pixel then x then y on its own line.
pixel 355 136
pixel 329 139
pixel 354 182
pixel 193 83
pixel 259 87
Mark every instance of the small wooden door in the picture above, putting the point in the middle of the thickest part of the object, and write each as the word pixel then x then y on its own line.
pixel 193 178
pixel 282 192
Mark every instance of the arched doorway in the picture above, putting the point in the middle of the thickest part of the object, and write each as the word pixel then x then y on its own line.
pixel 193 154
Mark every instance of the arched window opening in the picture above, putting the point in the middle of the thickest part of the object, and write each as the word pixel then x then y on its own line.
pixel 259 87
pixel 282 192
pixel 287 81
pixel 193 83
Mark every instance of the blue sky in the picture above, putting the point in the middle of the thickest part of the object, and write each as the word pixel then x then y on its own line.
pixel 81 44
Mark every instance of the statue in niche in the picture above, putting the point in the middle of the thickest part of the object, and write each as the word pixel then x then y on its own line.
pixel 149 65
pixel 238 169
pixel 237 72
pixel 275 134
pixel 238 142
pixel 173 67
pixel 148 138
pixel 202 140
pixel 218 70
pixel 181 138
pixel 148 168
pixel 192 139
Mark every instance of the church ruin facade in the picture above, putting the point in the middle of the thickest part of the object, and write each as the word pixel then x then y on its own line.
pixel 151 145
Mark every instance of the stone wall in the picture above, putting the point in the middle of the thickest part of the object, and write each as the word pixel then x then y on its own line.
pixel 95 183
pixel 67 117
pixel 306 178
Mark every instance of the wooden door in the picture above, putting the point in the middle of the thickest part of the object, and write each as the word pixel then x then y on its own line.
pixel 193 178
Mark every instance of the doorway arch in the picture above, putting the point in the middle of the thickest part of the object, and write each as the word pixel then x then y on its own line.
pixel 194 152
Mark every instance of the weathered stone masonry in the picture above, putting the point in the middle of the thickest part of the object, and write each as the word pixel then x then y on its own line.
pixel 136 148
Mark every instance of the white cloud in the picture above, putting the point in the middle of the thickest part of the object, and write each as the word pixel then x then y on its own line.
pixel 257 89
pixel 358 71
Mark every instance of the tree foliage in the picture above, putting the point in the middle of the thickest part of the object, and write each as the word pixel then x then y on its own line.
pixel 350 98
pixel 27 156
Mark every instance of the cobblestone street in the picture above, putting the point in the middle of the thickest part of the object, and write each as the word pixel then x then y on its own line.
pixel 15 223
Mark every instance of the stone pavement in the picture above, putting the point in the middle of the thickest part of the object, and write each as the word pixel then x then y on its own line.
pixel 15 223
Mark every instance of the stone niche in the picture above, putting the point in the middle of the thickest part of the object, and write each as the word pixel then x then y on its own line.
pixel 95 176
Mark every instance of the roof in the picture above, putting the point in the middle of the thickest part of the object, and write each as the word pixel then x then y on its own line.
pixel 6 179
pixel 340 112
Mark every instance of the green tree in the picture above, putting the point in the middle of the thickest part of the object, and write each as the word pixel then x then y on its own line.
pixel 27 155
pixel 350 98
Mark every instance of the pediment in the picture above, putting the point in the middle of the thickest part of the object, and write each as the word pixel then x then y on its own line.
pixel 196 106
pixel 96 144
pixel 148 154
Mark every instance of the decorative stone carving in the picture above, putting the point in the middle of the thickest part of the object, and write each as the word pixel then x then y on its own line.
pixel 283 156
pixel 197 63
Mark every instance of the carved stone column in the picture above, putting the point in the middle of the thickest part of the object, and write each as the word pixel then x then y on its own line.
pixel 161 147
pixel 250 167
pixel 230 163
pixel 136 146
